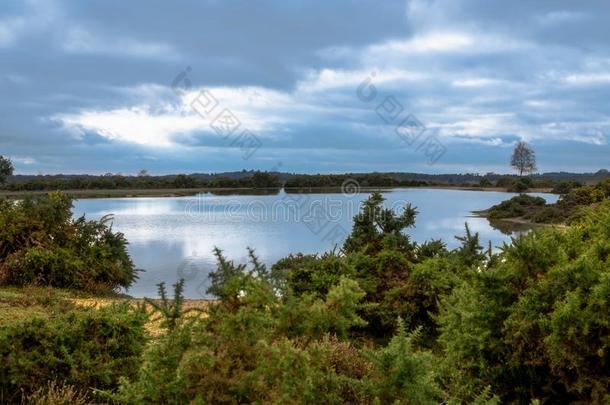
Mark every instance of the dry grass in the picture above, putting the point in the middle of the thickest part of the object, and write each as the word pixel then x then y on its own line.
pixel 29 302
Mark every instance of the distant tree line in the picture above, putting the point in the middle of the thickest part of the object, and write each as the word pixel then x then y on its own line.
pixel 523 160
pixel 560 183
pixel 364 180
pixel 117 181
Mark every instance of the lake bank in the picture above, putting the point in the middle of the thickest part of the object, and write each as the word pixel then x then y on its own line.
pixel 185 192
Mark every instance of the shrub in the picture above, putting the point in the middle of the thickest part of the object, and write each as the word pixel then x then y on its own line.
pixel 395 274
pixel 41 244
pixel 485 182
pixel 312 273
pixel 376 227
pixel 403 375
pixel 157 380
pixel 289 373
pixel 547 215
pixel 311 318
pixel 536 324
pixel 519 206
pixel 521 185
pixel 564 187
pixel 81 348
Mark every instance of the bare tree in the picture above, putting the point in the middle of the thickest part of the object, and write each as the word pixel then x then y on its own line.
pixel 523 159
pixel 143 173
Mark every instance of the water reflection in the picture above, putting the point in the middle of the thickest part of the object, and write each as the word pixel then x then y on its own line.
pixel 512 228
pixel 246 191
pixel 174 236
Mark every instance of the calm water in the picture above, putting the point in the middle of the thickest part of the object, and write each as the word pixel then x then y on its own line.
pixel 173 238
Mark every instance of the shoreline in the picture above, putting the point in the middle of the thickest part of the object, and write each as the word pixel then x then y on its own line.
pixel 185 192
pixel 515 223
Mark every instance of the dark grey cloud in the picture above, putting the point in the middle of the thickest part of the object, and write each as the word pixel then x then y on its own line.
pixel 85 86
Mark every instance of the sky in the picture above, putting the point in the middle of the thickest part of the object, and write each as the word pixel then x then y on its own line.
pixel 437 86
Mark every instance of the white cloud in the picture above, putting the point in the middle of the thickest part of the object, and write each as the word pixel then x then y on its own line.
pixel 26 160
pixel 476 125
pixel 157 123
pixel 138 125
pixel 588 132
pixel 432 42
pixel 588 78
pixel 435 42
pixel 329 79
pixel 476 82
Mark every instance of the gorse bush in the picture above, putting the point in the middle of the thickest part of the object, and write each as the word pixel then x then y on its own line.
pixel 385 320
pixel 537 324
pixel 41 244
pixel 330 333
pixel 520 206
pixel 170 310
pixel 520 185
pixel 376 227
pixel 256 346
pixel 400 372
pixel 574 197
pixel 564 187
pixel 399 277
pixel 81 348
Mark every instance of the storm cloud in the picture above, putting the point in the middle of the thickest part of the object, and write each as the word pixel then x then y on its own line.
pixel 105 86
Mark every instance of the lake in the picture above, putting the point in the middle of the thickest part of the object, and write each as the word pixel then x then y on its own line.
pixel 173 237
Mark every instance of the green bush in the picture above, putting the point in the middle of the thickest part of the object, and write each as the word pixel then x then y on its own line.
pixel 547 215
pixel 312 273
pixel 376 227
pixel 82 348
pixel 528 324
pixel 519 206
pixel 536 324
pixel 520 185
pixel 41 244
pixel 385 321
pixel 564 187
pixel 400 278
pixel 402 374
pixel 485 182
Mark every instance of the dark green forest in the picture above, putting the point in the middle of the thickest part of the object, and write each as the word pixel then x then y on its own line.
pixel 381 320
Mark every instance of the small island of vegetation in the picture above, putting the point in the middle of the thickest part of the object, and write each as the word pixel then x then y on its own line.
pixel 573 198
